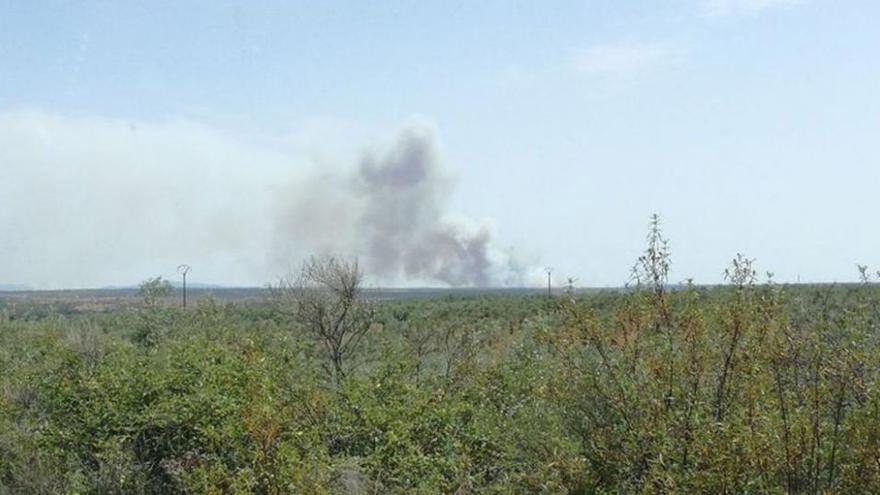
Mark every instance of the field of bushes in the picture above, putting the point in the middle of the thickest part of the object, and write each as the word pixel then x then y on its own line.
pixel 749 387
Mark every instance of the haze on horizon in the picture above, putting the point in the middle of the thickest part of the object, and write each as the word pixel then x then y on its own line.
pixel 443 143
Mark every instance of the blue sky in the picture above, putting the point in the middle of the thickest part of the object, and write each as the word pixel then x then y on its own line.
pixel 750 125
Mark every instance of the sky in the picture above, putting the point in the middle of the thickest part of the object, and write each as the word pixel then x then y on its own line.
pixel 506 136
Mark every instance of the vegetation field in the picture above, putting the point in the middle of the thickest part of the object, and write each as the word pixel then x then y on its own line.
pixel 744 388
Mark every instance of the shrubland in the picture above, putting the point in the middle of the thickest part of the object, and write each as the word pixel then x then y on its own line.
pixel 748 387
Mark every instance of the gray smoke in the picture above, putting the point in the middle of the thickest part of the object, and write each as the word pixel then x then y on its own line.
pixel 391 212
pixel 92 201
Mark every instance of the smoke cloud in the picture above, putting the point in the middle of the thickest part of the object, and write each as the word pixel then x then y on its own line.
pixel 89 202
pixel 392 212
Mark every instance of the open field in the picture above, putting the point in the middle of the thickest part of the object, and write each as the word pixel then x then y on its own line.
pixel 746 388
pixel 75 301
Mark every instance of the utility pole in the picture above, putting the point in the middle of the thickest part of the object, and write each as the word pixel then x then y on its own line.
pixel 184 270
pixel 549 271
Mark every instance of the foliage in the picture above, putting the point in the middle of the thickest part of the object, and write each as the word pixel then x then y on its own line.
pixel 154 290
pixel 743 388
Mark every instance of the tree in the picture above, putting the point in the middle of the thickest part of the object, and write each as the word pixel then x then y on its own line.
pixel 154 289
pixel 326 299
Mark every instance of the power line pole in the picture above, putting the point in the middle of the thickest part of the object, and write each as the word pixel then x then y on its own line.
pixel 184 270
pixel 549 271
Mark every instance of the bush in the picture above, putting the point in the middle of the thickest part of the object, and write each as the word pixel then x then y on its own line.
pixel 744 388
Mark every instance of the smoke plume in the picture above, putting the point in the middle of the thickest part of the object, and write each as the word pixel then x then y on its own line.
pixel 391 212
pixel 93 201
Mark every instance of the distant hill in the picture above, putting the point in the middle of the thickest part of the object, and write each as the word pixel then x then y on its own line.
pixel 197 285
pixel 13 287
pixel 176 284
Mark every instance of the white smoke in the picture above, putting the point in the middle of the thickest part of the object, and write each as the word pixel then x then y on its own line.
pixel 90 201
pixel 391 210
